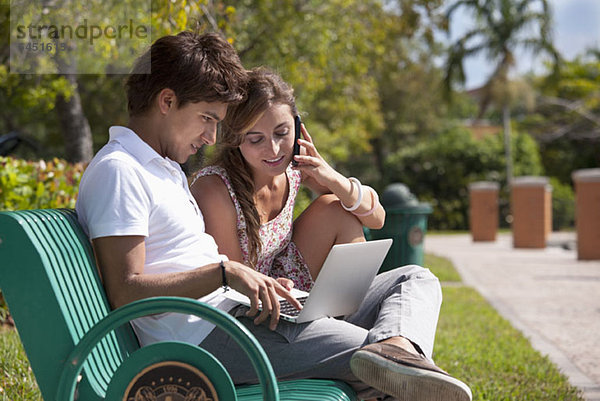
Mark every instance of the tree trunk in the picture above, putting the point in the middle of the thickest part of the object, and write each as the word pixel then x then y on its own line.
pixel 75 126
pixel 507 145
pixel 377 145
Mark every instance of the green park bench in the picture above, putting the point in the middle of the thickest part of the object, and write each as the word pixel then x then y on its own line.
pixel 79 349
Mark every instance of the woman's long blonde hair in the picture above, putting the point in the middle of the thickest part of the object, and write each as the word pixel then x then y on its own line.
pixel 264 89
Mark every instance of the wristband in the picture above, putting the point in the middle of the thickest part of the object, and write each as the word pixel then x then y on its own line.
pixel 375 198
pixel 223 277
pixel 360 195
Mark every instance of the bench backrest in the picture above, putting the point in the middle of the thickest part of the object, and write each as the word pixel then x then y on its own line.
pixel 49 279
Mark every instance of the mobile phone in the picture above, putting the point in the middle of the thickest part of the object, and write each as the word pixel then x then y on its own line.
pixel 298 130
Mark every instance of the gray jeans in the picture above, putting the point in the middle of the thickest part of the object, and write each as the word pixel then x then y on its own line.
pixel 402 302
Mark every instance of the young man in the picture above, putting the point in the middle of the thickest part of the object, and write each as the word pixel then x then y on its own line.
pixel 149 240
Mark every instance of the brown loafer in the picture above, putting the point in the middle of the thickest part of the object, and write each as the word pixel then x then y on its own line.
pixel 406 376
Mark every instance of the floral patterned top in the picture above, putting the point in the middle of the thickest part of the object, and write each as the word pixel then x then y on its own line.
pixel 279 256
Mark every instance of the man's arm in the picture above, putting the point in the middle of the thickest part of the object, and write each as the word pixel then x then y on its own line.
pixel 121 262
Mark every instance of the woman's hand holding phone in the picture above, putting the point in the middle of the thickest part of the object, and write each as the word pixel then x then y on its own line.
pixel 310 162
pixel 321 178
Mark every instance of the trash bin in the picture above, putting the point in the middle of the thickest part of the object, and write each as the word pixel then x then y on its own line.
pixel 405 223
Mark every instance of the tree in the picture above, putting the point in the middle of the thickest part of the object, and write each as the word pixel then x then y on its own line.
pixel 26 100
pixel 53 42
pixel 440 170
pixel 327 64
pixel 356 81
pixel 408 80
pixel 54 105
pixel 566 121
pixel 366 84
pixel 502 28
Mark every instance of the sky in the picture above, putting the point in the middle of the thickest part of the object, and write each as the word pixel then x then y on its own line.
pixel 576 28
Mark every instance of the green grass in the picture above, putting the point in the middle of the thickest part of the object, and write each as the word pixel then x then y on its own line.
pixel 446 232
pixel 478 346
pixel 473 343
pixel 441 267
pixel 16 379
pixel 430 231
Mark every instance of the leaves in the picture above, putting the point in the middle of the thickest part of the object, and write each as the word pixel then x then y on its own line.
pixel 503 26
pixel 439 171
pixel 338 70
pixel 38 185
pixel 566 120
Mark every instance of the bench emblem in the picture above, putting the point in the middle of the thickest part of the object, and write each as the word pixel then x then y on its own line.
pixel 170 381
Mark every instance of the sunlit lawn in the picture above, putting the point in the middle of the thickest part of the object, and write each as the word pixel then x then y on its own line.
pixel 442 267
pixel 477 345
pixel 16 381
pixel 473 343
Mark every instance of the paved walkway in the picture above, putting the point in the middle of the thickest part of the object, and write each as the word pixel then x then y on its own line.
pixel 550 296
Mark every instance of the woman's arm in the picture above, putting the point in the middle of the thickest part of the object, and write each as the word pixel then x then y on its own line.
pixel 321 178
pixel 220 216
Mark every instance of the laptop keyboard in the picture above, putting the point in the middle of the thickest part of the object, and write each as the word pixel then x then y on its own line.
pixel 287 308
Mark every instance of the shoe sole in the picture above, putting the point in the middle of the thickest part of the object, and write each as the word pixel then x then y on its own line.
pixel 407 383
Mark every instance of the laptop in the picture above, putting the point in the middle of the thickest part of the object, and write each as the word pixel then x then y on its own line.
pixel 341 285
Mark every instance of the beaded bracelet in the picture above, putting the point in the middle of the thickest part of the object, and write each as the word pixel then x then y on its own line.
pixel 360 195
pixel 375 198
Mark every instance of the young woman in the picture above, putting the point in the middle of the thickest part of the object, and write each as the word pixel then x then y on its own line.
pixel 247 196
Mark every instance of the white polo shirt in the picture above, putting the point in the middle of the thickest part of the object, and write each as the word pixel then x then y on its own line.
pixel 129 189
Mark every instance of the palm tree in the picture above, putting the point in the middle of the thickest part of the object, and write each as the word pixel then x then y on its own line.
pixel 502 27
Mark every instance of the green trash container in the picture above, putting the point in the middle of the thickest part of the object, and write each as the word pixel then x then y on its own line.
pixel 405 223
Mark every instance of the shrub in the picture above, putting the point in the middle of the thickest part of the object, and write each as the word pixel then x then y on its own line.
pixel 38 185
pixel 563 205
pixel 440 170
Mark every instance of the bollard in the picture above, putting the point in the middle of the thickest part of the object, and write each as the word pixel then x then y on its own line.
pixel 531 200
pixel 483 210
pixel 587 213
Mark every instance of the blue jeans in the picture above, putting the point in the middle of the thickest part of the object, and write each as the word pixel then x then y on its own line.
pixel 401 302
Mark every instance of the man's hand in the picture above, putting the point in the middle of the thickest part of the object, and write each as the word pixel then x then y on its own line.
pixel 259 289
pixel 121 262
pixel 286 282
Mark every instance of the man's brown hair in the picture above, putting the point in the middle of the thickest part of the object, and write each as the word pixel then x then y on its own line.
pixel 196 67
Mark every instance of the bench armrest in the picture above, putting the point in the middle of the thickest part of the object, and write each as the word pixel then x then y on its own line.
pixel 144 307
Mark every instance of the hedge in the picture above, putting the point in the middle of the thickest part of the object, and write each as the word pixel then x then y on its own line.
pixel 439 171
pixel 38 184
